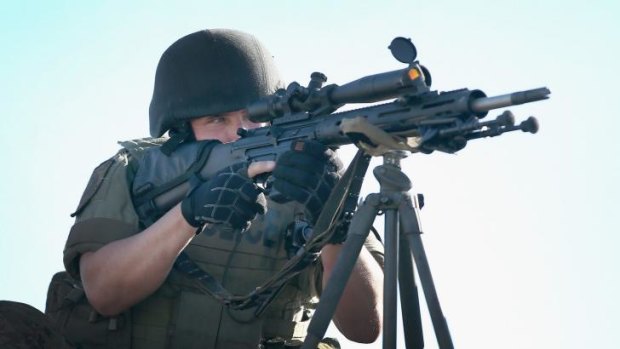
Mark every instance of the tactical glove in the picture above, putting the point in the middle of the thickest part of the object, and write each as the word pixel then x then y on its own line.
pixel 230 197
pixel 307 174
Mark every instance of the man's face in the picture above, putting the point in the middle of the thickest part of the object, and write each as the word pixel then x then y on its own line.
pixel 222 127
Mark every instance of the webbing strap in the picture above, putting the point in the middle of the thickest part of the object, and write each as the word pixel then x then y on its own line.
pixel 187 266
pixel 343 198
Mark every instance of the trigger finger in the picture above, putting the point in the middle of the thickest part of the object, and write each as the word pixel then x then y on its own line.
pixel 260 167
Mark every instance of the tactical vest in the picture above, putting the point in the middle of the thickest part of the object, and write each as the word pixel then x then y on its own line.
pixel 181 315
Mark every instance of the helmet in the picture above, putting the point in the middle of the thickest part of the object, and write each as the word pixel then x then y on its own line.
pixel 209 72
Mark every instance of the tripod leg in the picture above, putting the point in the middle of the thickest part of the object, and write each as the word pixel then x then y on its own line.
pixel 358 231
pixel 409 298
pixel 390 279
pixel 410 227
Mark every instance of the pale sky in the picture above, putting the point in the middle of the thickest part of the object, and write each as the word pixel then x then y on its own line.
pixel 520 230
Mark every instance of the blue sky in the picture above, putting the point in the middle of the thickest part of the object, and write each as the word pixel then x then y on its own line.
pixel 521 230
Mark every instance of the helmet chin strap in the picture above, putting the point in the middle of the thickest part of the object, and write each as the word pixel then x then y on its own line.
pixel 181 133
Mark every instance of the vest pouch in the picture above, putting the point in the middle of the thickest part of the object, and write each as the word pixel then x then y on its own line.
pixel 69 309
pixel 202 322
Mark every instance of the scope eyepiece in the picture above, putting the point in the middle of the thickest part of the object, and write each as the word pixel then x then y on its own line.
pixel 266 109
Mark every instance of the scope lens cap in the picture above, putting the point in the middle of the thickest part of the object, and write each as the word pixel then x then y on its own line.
pixel 428 79
pixel 403 50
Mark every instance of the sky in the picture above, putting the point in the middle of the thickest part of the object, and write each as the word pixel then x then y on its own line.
pixel 520 230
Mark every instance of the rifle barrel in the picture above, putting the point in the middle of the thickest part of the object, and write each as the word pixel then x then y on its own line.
pixel 485 104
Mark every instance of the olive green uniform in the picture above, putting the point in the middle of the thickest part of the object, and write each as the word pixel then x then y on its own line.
pixel 179 314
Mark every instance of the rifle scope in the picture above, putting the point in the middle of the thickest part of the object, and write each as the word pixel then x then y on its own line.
pixel 315 98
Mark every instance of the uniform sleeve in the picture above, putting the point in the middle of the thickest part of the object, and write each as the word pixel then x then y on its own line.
pixel 105 213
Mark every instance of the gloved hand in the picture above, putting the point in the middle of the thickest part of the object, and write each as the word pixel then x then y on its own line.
pixel 307 174
pixel 230 197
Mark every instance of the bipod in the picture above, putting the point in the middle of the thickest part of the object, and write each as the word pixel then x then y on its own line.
pixel 403 246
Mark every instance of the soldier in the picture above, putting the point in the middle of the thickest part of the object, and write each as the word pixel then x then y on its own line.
pixel 125 262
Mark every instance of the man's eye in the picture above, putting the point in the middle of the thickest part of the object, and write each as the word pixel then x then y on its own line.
pixel 215 120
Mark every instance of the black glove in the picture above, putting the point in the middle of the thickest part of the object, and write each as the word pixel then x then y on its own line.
pixel 230 197
pixel 307 174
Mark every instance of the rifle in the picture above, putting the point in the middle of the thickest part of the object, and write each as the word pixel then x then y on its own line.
pixel 417 119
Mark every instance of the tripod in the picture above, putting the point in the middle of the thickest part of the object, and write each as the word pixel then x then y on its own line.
pixel 402 242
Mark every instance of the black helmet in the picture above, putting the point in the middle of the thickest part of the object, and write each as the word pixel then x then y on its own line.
pixel 210 72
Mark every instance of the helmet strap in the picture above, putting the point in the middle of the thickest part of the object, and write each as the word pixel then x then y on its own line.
pixel 181 133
